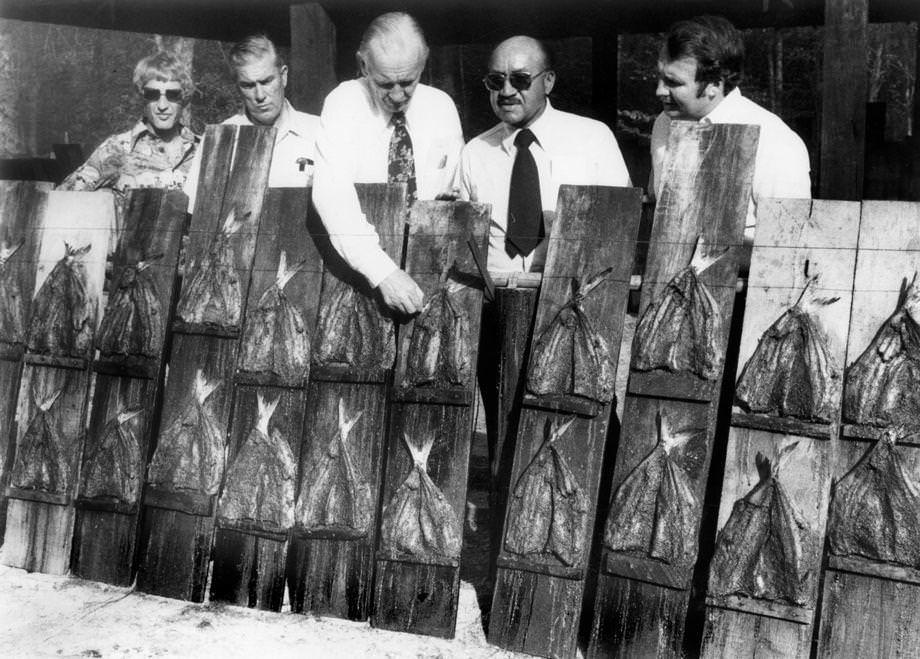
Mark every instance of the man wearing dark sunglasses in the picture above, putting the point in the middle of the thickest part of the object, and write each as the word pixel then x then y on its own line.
pixel 517 167
pixel 383 127
pixel 158 151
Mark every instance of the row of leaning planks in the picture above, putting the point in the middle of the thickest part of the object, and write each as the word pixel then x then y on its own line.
pixel 298 436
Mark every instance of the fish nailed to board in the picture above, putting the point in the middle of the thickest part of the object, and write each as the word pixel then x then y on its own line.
pixel 114 466
pixel 12 323
pixel 571 357
pixel 42 461
pixel 63 313
pixel 792 373
pixel 655 510
pixel 275 338
pixel 880 387
pixel 133 321
pixel 681 331
pixel 548 509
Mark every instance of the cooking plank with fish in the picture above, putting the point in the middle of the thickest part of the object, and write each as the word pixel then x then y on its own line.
pixel 650 540
pixel 763 577
pixel 188 463
pixel 872 582
pixel 563 427
pixel 256 507
pixel 56 380
pixel 417 583
pixel 128 371
pixel 331 555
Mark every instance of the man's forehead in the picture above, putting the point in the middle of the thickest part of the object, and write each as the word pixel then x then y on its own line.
pixel 257 68
pixel 163 84
pixel 519 57
pixel 682 67
pixel 394 65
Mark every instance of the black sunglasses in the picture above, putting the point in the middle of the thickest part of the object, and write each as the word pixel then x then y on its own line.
pixel 520 80
pixel 172 95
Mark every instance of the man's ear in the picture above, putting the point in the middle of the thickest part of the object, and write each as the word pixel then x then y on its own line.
pixel 549 81
pixel 284 72
pixel 362 65
pixel 715 90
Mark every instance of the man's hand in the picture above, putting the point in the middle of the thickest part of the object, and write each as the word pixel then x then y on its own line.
pixel 452 195
pixel 401 293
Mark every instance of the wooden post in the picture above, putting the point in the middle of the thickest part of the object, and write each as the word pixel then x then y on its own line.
pixel 872 582
pixel 417 586
pixel 669 420
pixel 56 380
pixel 129 375
pixel 256 509
pixel 21 213
pixel 186 469
pixel 562 433
pixel 331 561
pixel 763 578
pixel 844 96
pixel 313 57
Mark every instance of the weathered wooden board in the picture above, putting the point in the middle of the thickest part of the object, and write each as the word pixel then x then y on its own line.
pixel 223 229
pixel 256 508
pixel 21 214
pixel 128 386
pixel 22 211
pixel 563 426
pixel 49 435
pixel 53 392
pixel 331 557
pixel 781 468
pixel 417 586
pixel 669 419
pixel 872 581
pixel 250 552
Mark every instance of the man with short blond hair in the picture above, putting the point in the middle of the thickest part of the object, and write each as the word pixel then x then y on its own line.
pixel 384 126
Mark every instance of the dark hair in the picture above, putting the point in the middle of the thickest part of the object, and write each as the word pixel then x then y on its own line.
pixel 714 43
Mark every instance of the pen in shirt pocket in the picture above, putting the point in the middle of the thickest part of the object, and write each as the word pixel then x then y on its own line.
pixel 303 162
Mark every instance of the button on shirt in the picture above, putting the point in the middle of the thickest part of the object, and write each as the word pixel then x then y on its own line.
pixel 569 149
pixel 292 156
pixel 781 167
pixel 352 146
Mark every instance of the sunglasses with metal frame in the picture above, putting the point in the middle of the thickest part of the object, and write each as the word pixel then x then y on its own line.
pixel 172 95
pixel 520 80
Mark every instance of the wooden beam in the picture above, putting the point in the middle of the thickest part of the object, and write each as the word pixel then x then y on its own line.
pixel 843 114
pixel 313 56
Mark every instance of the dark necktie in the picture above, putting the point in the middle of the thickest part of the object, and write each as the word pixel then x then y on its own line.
pixel 401 167
pixel 525 209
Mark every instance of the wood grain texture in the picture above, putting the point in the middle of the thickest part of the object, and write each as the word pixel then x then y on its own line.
pixel 38 536
pixel 175 553
pixel 537 599
pixel 410 595
pixel 642 596
pixel 248 570
pixel 10 372
pixel 790 233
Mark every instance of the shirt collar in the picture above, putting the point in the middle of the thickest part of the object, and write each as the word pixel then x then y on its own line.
pixel 540 128
pixel 141 129
pixel 724 110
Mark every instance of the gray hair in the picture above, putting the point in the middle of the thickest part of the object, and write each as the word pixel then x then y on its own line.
pixel 394 30
pixel 255 46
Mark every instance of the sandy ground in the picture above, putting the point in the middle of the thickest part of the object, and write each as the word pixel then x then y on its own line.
pixel 49 616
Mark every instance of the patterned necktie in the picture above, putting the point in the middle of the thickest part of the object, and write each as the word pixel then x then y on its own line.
pixel 401 167
pixel 525 208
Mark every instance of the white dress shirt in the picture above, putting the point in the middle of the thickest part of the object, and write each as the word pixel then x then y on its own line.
pixel 568 149
pixel 292 157
pixel 781 167
pixel 353 147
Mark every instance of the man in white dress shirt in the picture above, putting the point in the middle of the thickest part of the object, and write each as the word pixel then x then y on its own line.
pixel 518 166
pixel 261 77
pixel 383 126
pixel 699 70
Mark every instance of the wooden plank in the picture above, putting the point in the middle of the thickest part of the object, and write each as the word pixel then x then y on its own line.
pixel 52 400
pixel 558 455
pixel 313 56
pixel 843 107
pixel 250 552
pixel 781 470
pixel 128 392
pixel 331 559
pixel 650 542
pixel 222 242
pixel 873 567
pixel 418 577
pixel 176 534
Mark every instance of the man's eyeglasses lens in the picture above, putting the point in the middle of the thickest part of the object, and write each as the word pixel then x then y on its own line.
pixel 520 80
pixel 172 95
